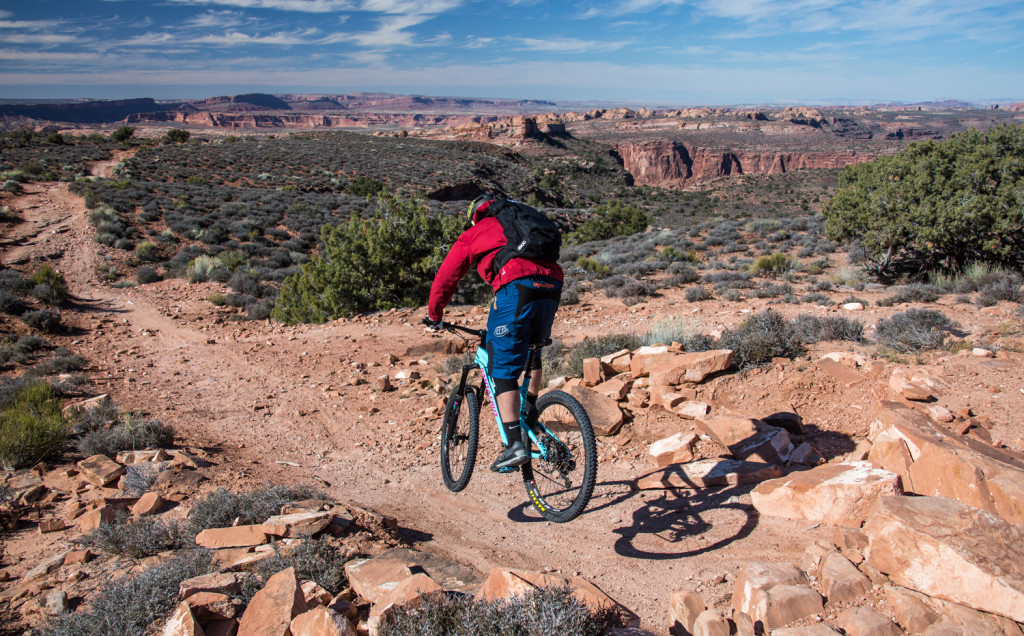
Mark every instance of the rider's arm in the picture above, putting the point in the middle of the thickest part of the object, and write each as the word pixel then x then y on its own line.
pixel 455 265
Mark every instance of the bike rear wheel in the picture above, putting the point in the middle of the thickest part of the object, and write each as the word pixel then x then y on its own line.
pixel 460 434
pixel 560 486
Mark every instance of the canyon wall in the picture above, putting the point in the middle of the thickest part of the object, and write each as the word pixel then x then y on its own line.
pixel 671 164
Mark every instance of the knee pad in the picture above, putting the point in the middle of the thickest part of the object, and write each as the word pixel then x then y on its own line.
pixel 504 385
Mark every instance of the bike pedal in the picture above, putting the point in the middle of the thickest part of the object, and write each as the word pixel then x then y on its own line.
pixel 508 469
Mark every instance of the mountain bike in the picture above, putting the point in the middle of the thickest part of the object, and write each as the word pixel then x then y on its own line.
pixel 562 469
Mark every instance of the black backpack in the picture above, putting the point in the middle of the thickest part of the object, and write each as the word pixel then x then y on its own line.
pixel 529 233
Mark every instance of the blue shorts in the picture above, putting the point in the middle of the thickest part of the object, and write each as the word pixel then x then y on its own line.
pixel 521 314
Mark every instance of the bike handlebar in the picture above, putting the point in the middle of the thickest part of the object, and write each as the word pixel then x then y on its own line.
pixel 450 326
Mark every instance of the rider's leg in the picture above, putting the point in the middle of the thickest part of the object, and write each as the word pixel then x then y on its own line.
pixel 507 397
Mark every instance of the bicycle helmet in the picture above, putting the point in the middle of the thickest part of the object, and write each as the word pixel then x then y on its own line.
pixel 478 208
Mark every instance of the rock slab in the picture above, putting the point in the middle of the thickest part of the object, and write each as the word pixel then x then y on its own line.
pixel 271 610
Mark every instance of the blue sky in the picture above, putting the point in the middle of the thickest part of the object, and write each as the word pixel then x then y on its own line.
pixel 661 52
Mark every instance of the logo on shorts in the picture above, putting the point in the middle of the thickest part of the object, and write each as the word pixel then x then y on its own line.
pixel 501 331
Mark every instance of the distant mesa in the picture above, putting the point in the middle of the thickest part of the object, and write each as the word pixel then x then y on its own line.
pixel 92 112
pixel 241 103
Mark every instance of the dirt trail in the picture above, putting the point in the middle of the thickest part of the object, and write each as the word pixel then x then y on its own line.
pixel 257 394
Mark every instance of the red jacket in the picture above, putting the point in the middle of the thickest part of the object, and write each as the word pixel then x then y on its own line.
pixel 480 244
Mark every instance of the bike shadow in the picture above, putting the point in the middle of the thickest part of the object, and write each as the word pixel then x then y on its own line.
pixel 667 524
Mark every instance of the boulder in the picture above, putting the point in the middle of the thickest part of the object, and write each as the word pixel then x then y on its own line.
pixel 943 548
pixel 864 621
pixel 673 450
pixel 646 358
pixel 814 556
pixel 770 446
pixel 933 461
pixel 593 372
pixel 810 630
pixel 783 604
pixel 100 470
pixel 372 579
pixel 708 473
pixel 604 412
pixel 904 387
pixel 271 610
pixel 233 537
pixel 689 367
pixel 756 577
pixel 747 438
pixel 683 609
pixel 841 494
pixel 618 361
pixel 321 621
pixel 182 623
pixel 840 579
pixel 314 594
pixel 407 591
pixel 296 524
pixel 806 455
pixel 710 622
pixel 666 398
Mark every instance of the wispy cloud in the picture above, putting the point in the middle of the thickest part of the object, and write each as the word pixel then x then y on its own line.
pixel 236 38
pixel 410 7
pixel 29 24
pixel 569 45
pixel 624 7
pixel 307 6
pixel 217 20
pixel 46 39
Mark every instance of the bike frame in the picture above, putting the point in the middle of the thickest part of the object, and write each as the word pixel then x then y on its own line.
pixel 480 361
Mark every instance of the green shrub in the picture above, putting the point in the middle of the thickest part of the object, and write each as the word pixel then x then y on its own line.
pixel 138 538
pixel 130 433
pixel 913 293
pixel 49 285
pixel 132 604
pixel 364 187
pixel 147 251
pixel 544 611
pixel 771 265
pixel 593 266
pixel 42 320
pixel 612 219
pixel 122 133
pixel 697 294
pixel 11 186
pixel 913 330
pixel 370 264
pixel 202 268
pixel 315 560
pixel 935 205
pixel 760 338
pixel 216 298
pixel 572 362
pixel 176 136
pixel 32 426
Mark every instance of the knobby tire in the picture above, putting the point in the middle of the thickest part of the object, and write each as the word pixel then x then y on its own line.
pixel 460 434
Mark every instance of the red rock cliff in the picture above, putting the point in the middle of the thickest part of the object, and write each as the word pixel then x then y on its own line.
pixel 673 164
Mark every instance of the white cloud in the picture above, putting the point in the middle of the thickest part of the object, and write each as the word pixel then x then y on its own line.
pixel 235 38
pixel 29 24
pixel 46 56
pixel 47 39
pixel 625 7
pixel 307 6
pixel 569 45
pixel 479 43
pixel 410 7
pixel 146 39
pixel 216 20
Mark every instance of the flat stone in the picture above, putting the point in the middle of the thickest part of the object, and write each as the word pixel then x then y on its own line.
pixel 904 387
pixel 100 470
pixel 708 473
pixel 864 621
pixel 233 537
pixel 616 388
pixel 809 630
pixel 46 567
pixel 271 610
pixel 692 410
pixel 213 606
pixel 673 450
pixel 592 372
pixel 951 551
pixel 683 609
pixel 315 594
pixel 783 604
pixel 690 367
pixel 841 494
pixel 663 397
pixel 814 556
pixel 618 361
pixel 372 579
pixel 182 623
pixel 179 480
pixel 229 583
pixel 746 438
pixel 841 373
pixel 148 504
pixel 841 581
pixel 321 621
pixel 605 415
pixel 298 524
pixel 52 525
pixel 646 358
pixel 806 455
pixel 769 446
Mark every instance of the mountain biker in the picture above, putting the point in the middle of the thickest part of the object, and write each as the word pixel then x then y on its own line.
pixel 527 293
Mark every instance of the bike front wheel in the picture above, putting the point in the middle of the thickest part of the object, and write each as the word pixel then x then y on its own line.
pixel 460 433
pixel 560 485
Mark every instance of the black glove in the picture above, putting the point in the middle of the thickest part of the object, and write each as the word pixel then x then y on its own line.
pixel 433 325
